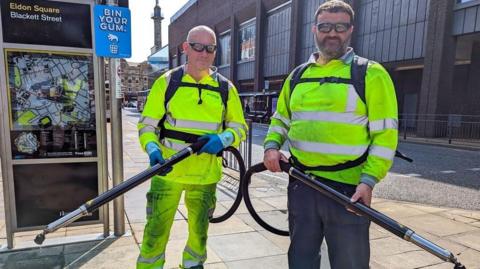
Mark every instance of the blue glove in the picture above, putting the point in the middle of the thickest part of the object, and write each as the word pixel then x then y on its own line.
pixel 216 142
pixel 155 156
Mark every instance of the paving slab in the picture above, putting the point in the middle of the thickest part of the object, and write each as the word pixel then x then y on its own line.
pixel 396 210
pixel 277 262
pixel 230 226
pixel 282 242
pixel 469 239
pixel 461 216
pixel 118 254
pixel 219 265
pixel 470 259
pixel 437 225
pixel 411 259
pixel 390 246
pixel 258 204
pixel 242 246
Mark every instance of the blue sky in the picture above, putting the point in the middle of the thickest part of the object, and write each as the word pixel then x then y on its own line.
pixel 142 25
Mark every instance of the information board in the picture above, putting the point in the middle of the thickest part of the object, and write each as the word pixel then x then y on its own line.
pixel 52 104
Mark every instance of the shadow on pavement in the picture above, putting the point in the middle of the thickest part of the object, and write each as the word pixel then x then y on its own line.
pixel 52 257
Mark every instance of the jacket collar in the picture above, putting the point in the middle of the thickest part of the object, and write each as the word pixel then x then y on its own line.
pixel 212 71
pixel 347 58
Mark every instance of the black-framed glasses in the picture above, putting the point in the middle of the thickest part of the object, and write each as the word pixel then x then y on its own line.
pixel 326 27
pixel 199 47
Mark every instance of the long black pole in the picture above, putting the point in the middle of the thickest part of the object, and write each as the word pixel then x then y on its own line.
pixel 118 190
pixel 375 216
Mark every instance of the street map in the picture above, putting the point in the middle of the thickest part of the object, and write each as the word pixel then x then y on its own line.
pixel 50 90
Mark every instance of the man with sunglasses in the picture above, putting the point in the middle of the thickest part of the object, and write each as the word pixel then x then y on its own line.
pixel 186 104
pixel 341 124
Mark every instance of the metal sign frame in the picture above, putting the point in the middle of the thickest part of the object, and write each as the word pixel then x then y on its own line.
pixel 5 137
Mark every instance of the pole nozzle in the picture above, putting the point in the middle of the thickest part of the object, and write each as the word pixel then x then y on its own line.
pixel 62 222
pixel 39 238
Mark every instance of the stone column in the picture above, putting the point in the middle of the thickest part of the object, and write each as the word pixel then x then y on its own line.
pixel 438 66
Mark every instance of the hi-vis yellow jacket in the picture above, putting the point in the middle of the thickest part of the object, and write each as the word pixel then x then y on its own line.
pixel 328 124
pixel 186 114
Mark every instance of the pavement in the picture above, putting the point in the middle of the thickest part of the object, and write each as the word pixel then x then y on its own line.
pixel 239 242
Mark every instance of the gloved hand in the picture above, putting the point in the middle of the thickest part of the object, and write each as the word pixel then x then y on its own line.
pixel 216 142
pixel 155 156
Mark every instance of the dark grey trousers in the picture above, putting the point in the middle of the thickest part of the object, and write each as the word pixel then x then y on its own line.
pixel 313 217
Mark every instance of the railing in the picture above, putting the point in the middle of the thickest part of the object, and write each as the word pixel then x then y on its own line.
pixel 449 127
pixel 245 150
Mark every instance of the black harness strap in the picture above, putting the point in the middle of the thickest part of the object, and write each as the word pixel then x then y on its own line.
pixel 187 137
pixel 358 72
pixel 176 82
pixel 325 80
pixel 330 168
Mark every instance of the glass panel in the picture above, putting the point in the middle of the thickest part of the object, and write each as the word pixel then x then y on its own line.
pixel 247 43
pixel 225 49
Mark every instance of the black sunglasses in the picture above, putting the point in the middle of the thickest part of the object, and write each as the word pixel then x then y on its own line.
pixel 198 47
pixel 340 27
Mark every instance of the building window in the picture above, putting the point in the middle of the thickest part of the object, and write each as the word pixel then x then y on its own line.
pixel 224 43
pixel 247 42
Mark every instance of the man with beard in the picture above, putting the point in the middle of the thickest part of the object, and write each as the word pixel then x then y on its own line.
pixel 341 125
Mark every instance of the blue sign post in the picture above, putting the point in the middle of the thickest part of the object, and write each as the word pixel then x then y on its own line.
pixel 112 32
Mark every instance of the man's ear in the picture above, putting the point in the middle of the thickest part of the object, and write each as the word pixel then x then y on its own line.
pixel 313 29
pixel 185 46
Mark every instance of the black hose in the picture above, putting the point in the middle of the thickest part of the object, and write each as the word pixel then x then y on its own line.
pixel 236 203
pixel 260 167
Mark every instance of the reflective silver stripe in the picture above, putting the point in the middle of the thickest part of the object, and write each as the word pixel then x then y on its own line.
pixel 277 116
pixel 146 129
pixel 238 132
pixel 382 152
pixel 278 129
pixel 351 99
pixel 190 263
pixel 201 258
pixel 149 121
pixel 380 125
pixel 202 125
pixel 346 117
pixel 234 125
pixel 173 145
pixel 153 260
pixel 328 148
pixel 237 127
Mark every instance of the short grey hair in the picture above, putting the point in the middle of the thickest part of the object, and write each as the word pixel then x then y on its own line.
pixel 335 6
pixel 201 28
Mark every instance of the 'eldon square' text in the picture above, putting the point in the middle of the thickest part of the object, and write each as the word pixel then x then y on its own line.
pixel 36 8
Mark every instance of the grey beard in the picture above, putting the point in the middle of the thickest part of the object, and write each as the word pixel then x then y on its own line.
pixel 330 55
